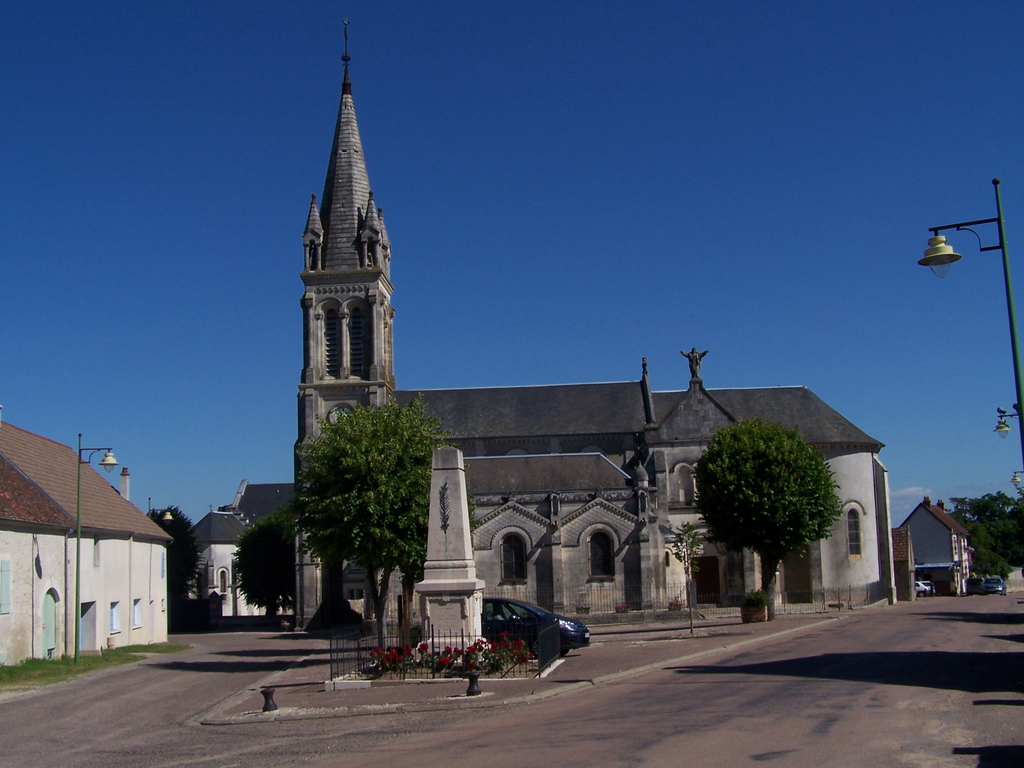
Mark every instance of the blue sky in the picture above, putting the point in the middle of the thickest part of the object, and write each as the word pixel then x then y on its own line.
pixel 568 187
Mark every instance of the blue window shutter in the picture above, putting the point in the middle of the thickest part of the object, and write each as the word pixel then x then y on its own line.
pixel 5 586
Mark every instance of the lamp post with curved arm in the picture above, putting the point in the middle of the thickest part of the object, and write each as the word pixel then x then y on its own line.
pixel 108 462
pixel 939 257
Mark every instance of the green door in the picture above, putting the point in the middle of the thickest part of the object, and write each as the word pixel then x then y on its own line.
pixel 49 625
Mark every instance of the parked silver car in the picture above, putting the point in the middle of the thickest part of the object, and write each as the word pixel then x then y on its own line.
pixel 993 585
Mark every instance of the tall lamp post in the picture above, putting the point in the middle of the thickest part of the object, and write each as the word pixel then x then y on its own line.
pixel 939 257
pixel 108 462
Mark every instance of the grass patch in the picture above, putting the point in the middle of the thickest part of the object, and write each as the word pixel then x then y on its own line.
pixel 34 672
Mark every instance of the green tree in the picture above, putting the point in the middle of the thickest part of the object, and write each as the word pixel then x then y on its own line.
pixel 183 553
pixel 265 563
pixel 761 487
pixel 687 547
pixel 995 530
pixel 363 495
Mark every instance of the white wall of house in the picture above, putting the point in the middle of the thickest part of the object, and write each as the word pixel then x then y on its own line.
pixel 933 542
pixel 219 563
pixel 31 566
pixel 123 592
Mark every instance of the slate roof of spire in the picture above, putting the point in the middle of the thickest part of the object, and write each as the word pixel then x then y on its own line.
pixel 313 223
pixel 346 189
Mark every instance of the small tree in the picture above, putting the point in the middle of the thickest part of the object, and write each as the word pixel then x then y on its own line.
pixel 183 553
pixel 265 563
pixel 687 547
pixel 763 488
pixel 364 494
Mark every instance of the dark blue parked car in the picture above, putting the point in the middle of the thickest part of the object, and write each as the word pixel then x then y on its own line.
pixel 520 621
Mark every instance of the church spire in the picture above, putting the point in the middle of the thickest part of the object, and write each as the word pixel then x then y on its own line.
pixel 347 187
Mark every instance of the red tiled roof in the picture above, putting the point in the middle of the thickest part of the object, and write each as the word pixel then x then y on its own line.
pixel 53 467
pixel 23 501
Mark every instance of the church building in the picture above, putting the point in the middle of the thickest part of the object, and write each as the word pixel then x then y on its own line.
pixel 579 488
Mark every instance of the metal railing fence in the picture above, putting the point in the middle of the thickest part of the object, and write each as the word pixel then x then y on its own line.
pixel 437 655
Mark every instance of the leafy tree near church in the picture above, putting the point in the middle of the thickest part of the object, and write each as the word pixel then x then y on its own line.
pixel 762 487
pixel 995 530
pixel 363 495
pixel 183 553
pixel 265 563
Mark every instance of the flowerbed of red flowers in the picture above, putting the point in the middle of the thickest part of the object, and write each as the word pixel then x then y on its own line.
pixel 505 657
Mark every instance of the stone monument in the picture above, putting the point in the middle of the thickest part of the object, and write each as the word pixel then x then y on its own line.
pixel 450 595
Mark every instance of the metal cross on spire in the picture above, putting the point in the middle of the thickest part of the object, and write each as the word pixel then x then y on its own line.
pixel 345 57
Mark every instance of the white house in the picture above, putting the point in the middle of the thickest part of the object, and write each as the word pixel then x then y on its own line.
pixel 941 551
pixel 218 533
pixel 123 574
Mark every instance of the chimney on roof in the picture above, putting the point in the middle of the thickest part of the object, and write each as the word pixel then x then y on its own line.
pixel 927 501
pixel 126 483
pixel 941 504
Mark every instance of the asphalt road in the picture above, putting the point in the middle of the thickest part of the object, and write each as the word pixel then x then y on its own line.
pixel 937 683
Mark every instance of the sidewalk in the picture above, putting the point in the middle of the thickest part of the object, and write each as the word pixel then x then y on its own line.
pixel 616 652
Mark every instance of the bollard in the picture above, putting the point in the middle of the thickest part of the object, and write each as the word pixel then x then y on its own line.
pixel 268 699
pixel 474 684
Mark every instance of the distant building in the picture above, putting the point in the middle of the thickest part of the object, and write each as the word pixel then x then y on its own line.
pixel 578 488
pixel 124 556
pixel 903 563
pixel 941 550
pixel 218 533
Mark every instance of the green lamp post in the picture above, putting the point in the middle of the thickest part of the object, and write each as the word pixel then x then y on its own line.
pixel 108 462
pixel 939 257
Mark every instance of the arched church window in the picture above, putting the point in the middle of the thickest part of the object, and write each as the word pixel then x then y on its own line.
pixel 358 352
pixel 332 344
pixel 685 484
pixel 853 531
pixel 602 563
pixel 222 581
pixel 513 558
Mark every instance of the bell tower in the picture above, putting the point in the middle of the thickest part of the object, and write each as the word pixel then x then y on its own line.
pixel 347 317
pixel 346 303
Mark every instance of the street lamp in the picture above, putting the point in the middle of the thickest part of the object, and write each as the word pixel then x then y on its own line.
pixel 108 462
pixel 939 257
pixel 1002 428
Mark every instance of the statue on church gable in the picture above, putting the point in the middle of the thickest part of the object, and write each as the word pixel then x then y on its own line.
pixel 694 358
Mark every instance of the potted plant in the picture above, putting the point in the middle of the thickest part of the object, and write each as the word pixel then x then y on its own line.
pixel 755 607
pixel 622 608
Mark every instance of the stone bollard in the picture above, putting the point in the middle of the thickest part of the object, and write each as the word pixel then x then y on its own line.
pixel 474 684
pixel 268 699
